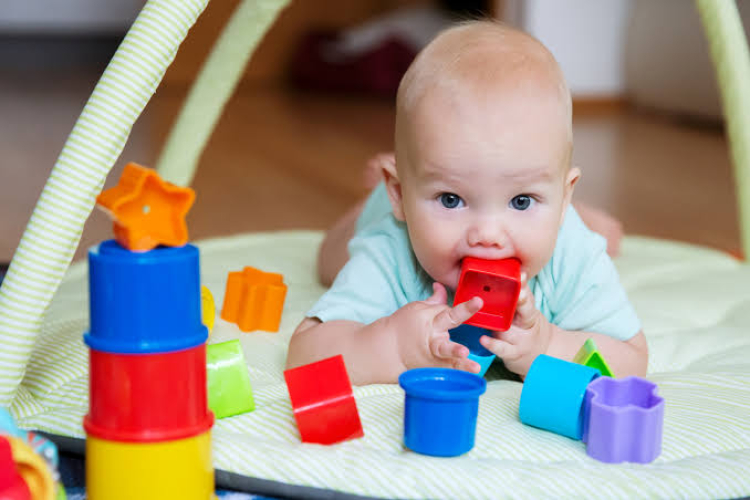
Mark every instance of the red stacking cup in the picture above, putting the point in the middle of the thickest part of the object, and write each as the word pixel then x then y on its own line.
pixel 148 397
pixel 498 283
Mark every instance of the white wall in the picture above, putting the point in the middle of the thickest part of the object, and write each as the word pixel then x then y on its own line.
pixel 587 37
pixel 668 65
pixel 67 16
pixel 652 51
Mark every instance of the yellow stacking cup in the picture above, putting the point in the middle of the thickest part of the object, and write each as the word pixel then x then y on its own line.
pixel 149 471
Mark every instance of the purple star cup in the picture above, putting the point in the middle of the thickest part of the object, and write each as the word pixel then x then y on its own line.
pixel 625 420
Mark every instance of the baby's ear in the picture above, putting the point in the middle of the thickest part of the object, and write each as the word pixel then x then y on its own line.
pixel 393 187
pixel 571 178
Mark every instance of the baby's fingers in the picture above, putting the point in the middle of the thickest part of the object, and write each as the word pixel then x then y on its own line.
pixel 454 316
pixel 466 365
pixel 444 348
pixel 454 355
pixel 525 309
pixel 439 295
pixel 499 348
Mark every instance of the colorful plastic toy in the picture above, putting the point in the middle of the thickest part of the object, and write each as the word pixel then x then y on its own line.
pixel 12 485
pixel 553 395
pixel 469 336
pixel 590 356
pixel 440 410
pixel 41 445
pixel 7 424
pixel 625 420
pixel 147 210
pixel 148 426
pixel 254 300
pixel 323 402
pixel 208 309
pixel 498 283
pixel 229 389
pixel 35 457
pixel 25 472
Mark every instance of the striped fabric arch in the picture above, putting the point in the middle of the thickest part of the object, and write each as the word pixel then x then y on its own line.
pixel 96 142
pixel 729 51
pixel 213 88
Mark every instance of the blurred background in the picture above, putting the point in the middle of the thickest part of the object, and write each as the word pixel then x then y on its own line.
pixel 317 101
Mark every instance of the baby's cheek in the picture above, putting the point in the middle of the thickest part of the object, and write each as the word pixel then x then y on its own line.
pixel 535 246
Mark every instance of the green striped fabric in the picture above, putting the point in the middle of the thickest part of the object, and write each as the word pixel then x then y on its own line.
pixel 729 52
pixel 53 233
pixel 96 142
pixel 700 357
pixel 213 88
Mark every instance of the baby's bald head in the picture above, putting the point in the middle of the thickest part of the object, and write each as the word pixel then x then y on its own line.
pixel 483 62
pixel 483 143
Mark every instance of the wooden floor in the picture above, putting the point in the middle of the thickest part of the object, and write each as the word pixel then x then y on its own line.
pixel 283 159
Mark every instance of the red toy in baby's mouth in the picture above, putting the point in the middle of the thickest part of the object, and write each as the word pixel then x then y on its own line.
pixel 498 283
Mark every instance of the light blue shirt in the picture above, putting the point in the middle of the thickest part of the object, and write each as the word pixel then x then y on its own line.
pixel 578 289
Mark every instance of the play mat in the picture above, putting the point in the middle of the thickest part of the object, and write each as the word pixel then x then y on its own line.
pixel 694 303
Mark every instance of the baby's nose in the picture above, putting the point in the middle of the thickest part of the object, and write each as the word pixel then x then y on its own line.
pixel 487 234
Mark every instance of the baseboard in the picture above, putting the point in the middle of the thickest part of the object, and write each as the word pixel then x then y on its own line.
pixel 599 105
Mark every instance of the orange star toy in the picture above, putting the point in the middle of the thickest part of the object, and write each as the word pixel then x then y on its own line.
pixel 148 211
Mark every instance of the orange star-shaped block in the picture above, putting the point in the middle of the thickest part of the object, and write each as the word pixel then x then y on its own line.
pixel 148 211
pixel 254 300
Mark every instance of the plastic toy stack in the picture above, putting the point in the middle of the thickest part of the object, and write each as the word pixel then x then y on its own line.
pixel 148 427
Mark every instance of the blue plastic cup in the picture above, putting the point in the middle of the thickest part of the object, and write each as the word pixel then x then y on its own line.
pixel 144 302
pixel 469 336
pixel 440 410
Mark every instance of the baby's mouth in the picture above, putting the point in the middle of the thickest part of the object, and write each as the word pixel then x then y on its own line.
pixel 506 264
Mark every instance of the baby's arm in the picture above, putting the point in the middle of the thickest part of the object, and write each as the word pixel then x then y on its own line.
pixel 414 336
pixel 369 351
pixel 629 357
pixel 532 334
pixel 519 346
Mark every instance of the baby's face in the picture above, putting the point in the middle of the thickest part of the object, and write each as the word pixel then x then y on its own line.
pixel 484 179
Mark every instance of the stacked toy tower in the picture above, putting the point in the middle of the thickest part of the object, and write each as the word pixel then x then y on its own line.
pixel 148 426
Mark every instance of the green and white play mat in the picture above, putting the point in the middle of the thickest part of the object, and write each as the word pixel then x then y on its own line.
pixel 694 303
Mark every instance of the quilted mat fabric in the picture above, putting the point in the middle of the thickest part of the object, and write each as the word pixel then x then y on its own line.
pixel 695 306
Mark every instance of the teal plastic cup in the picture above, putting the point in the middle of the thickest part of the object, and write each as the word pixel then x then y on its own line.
pixel 469 336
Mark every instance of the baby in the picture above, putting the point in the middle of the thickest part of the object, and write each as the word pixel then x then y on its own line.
pixel 482 169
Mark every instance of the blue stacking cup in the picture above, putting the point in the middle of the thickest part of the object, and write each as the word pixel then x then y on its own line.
pixel 144 302
pixel 553 395
pixel 441 409
pixel 468 336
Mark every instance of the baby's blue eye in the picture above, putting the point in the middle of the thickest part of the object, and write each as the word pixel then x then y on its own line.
pixel 450 200
pixel 521 202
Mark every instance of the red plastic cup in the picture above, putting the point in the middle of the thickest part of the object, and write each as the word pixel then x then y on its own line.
pixel 148 397
pixel 498 283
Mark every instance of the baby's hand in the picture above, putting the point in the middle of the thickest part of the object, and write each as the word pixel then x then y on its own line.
pixel 529 335
pixel 422 332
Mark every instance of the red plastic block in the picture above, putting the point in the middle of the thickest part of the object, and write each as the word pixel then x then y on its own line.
pixel 12 486
pixel 323 402
pixel 498 283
